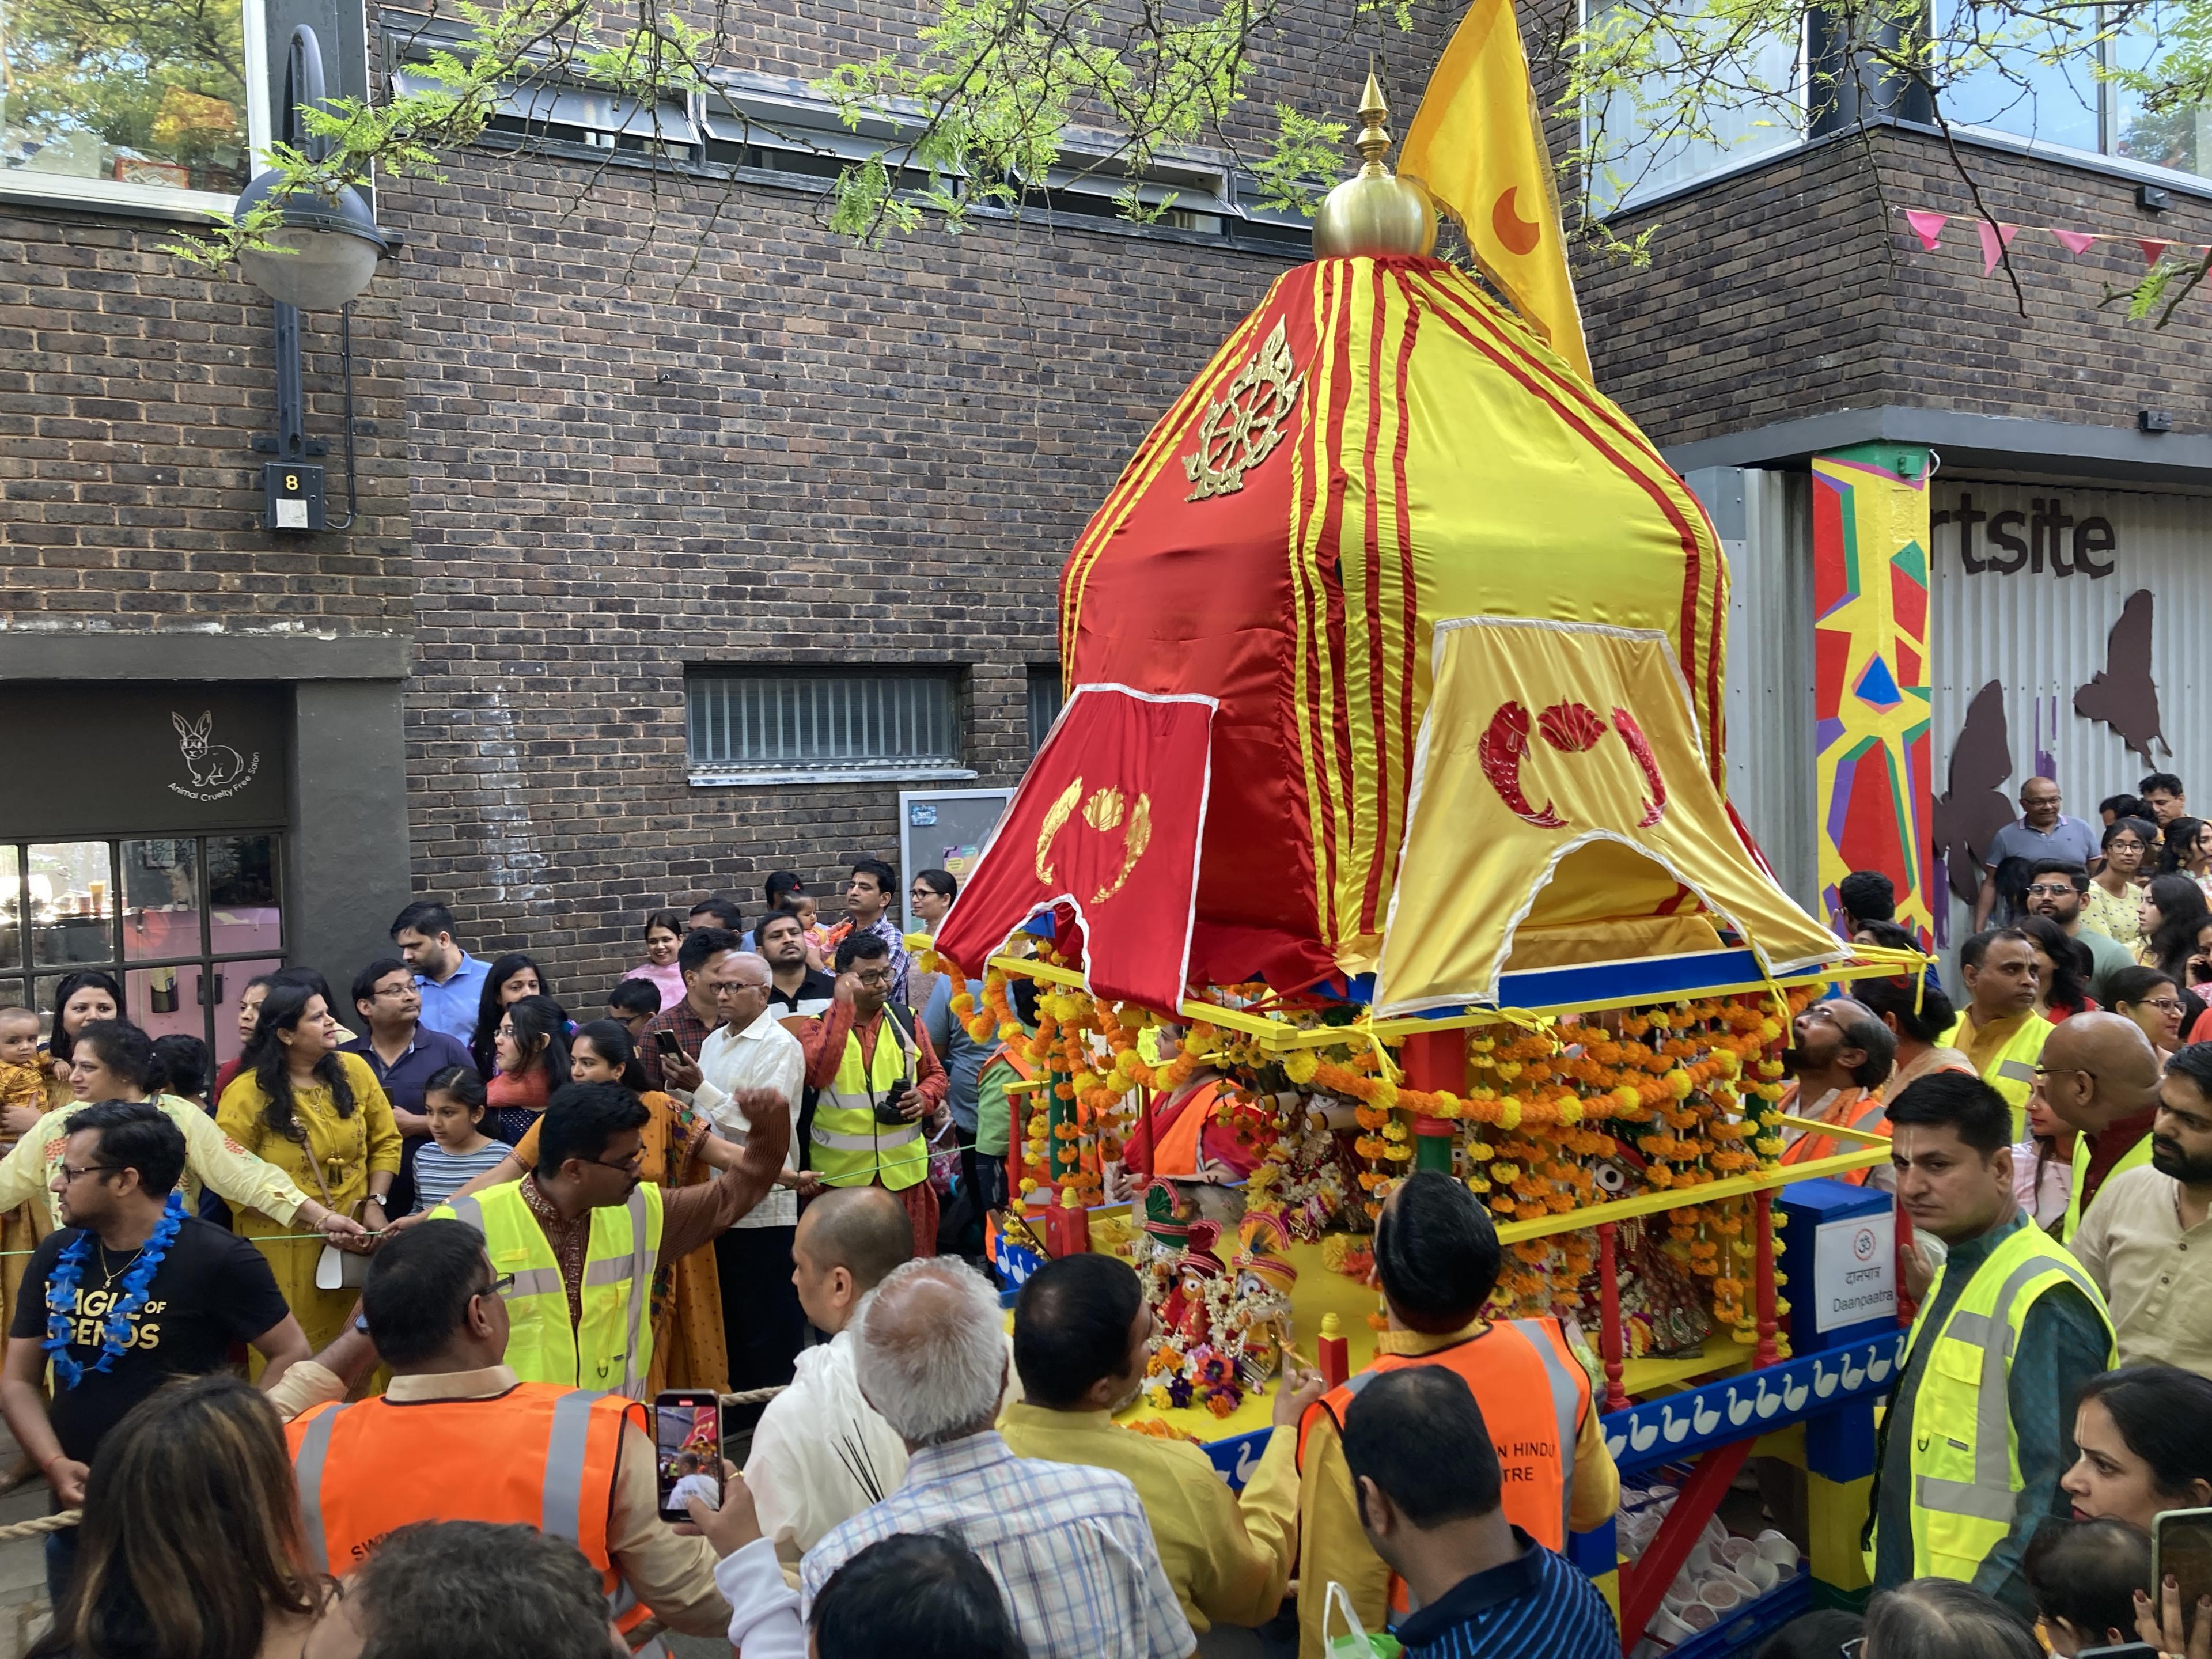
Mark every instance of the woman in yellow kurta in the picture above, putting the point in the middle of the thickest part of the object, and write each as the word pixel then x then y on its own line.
pixel 321 1117
pixel 680 1149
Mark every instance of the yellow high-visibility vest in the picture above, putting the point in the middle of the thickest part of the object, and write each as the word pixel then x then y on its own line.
pixel 847 1147
pixel 1965 1454
pixel 2135 1157
pixel 610 1350
pixel 2012 1072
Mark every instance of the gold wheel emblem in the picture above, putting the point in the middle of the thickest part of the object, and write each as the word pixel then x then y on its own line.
pixel 1107 811
pixel 1242 429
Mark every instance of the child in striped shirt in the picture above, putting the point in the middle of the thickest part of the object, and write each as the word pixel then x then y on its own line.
pixel 458 1150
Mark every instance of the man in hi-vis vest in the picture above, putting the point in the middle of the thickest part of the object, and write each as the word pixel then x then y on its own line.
pixel 1437 1256
pixel 458 1437
pixel 877 1086
pixel 1981 1426
pixel 2000 1031
pixel 582 1235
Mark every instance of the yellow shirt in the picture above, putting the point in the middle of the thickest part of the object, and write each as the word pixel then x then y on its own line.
pixel 211 1158
pixel 344 1151
pixel 1228 1555
pixel 1332 1544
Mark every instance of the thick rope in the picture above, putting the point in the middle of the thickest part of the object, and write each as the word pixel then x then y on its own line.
pixel 754 1396
pixel 45 1523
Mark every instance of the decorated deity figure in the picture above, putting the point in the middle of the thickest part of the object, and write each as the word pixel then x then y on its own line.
pixel 1260 1313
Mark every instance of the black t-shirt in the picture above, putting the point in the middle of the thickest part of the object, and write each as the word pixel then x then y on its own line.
pixel 212 1290
pixel 814 991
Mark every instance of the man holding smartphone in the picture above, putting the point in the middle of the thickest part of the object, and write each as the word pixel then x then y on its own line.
pixel 669 1050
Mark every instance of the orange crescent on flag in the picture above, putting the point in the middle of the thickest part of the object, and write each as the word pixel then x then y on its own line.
pixel 1476 144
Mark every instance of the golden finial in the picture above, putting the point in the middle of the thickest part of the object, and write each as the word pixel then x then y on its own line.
pixel 1374 140
pixel 1374 212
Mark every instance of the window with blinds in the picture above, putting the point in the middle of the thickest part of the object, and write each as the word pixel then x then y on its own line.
pixel 785 726
pixel 1045 699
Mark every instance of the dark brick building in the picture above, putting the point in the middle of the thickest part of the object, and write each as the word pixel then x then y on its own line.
pixel 687 535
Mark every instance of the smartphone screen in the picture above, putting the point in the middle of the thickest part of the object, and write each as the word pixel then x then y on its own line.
pixel 686 1448
pixel 2181 1544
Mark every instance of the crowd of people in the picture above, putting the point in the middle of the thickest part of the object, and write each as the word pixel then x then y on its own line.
pixel 459 1252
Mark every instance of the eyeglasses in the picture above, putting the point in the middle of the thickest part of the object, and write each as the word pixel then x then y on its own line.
pixel 70 1171
pixel 1852 1648
pixel 2043 1072
pixel 502 1284
pixel 393 991
pixel 883 976
pixel 2167 1005
pixel 630 1165
pixel 2045 890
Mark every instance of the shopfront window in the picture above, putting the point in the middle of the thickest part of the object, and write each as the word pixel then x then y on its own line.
pixel 182 922
pixel 131 100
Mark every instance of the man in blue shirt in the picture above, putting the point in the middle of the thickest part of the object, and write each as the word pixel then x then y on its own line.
pixel 1428 1483
pixel 2043 832
pixel 406 1055
pixel 450 980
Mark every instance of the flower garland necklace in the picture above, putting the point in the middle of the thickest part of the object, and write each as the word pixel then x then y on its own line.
pixel 115 1329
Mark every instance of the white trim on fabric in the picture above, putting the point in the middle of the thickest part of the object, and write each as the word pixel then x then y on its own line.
pixel 1212 706
pixel 1489 995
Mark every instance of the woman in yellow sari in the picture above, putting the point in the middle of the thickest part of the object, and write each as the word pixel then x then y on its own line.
pixel 680 1149
pixel 321 1117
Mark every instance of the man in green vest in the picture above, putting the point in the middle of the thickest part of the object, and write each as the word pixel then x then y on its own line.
pixel 2000 1032
pixel 1980 1427
pixel 582 1235
pixel 2098 1073
pixel 876 1080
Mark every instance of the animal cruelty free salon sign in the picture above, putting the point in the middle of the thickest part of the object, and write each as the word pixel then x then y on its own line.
pixel 1854 1271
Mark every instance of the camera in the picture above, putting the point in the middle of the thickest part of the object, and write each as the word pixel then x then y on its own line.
pixel 887 1111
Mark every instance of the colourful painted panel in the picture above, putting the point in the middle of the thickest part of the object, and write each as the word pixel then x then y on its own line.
pixel 1870 665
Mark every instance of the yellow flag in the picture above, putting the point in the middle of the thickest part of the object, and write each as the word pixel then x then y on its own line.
pixel 1477 146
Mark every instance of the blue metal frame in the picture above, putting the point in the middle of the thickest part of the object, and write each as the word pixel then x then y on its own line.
pixel 1679 1425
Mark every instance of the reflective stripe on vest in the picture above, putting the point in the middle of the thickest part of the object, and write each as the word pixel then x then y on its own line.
pixel 1864 1113
pixel 1496 1368
pixel 1965 1459
pixel 2013 1073
pixel 610 1349
pixel 2134 1158
pixel 851 1148
pixel 484 1457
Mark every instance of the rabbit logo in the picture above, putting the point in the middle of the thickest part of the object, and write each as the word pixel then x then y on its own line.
pixel 218 771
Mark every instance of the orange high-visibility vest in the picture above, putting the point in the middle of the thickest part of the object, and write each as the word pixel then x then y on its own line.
pixel 1866 1112
pixel 539 1454
pixel 1534 1397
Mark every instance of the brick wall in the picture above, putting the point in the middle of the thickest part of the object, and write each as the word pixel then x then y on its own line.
pixel 1796 288
pixel 796 450
pixel 130 389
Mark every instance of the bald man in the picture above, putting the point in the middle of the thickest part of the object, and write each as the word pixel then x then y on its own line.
pixel 1839 1057
pixel 821 1453
pixel 2098 1073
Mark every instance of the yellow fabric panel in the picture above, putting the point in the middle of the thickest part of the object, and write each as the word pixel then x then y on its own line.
pixel 1472 839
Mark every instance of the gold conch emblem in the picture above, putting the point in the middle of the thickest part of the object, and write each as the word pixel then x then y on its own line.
pixel 1242 429
pixel 1107 810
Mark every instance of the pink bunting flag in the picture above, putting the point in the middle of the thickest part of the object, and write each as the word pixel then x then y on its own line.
pixel 2153 251
pixel 1996 238
pixel 2075 242
pixel 1928 226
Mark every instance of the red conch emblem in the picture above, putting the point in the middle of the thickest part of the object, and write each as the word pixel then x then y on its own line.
pixel 1571 728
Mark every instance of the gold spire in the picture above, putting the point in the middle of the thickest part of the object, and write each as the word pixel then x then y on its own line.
pixel 1374 212
pixel 1374 140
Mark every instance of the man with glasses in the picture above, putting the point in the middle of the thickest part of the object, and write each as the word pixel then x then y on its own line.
pixel 458 1435
pixel 2056 889
pixel 406 1055
pixel 207 1290
pixel 586 1234
pixel 2102 1081
pixel 2148 1244
pixel 761 1323
pixel 876 1077
pixel 2043 832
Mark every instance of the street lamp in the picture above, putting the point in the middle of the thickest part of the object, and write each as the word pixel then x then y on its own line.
pixel 322 254
pixel 326 248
